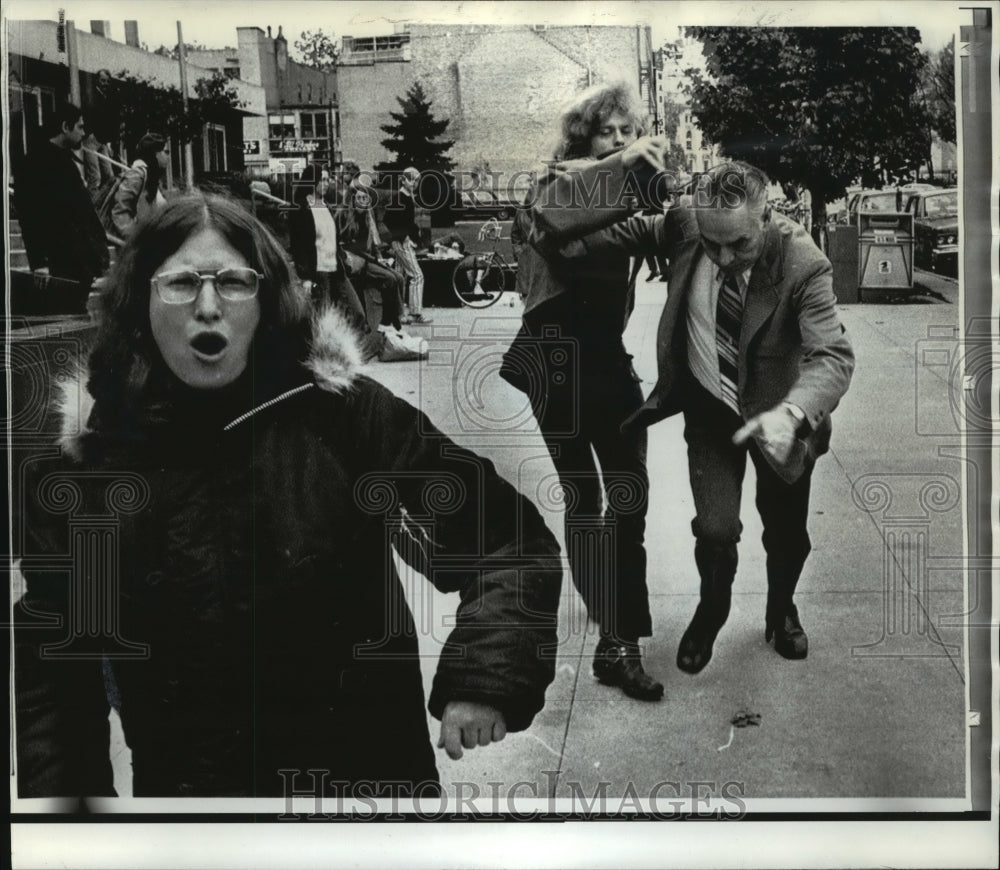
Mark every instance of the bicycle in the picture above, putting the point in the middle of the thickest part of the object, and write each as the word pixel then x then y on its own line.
pixel 480 279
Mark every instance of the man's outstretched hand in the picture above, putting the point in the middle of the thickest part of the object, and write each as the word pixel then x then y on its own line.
pixel 773 430
pixel 468 724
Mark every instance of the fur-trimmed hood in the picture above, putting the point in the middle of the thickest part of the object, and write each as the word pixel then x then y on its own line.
pixel 334 362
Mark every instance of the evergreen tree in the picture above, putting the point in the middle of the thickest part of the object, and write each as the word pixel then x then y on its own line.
pixel 413 138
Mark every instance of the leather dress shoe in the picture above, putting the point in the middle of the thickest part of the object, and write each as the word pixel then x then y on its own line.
pixel 620 664
pixel 790 639
pixel 695 650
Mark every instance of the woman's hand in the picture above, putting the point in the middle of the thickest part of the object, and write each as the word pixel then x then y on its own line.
pixel 468 724
pixel 648 149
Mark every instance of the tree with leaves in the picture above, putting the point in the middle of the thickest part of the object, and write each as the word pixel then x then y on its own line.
pixel 823 107
pixel 149 105
pixel 163 51
pixel 413 138
pixel 675 158
pixel 939 91
pixel 317 50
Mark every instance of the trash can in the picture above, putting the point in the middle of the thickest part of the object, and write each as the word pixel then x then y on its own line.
pixel 843 253
pixel 885 251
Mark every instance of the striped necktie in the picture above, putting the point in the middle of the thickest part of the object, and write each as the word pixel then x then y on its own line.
pixel 728 318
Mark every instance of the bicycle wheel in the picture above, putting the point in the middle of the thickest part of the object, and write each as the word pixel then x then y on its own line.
pixel 479 280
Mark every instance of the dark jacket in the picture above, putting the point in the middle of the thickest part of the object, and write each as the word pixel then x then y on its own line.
pixel 302 242
pixel 582 303
pixel 793 346
pixel 262 623
pixel 60 227
pixel 400 215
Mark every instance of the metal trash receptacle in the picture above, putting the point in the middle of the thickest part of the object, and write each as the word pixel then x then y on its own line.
pixel 842 249
pixel 885 251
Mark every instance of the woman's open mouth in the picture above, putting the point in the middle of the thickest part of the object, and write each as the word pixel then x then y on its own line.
pixel 209 345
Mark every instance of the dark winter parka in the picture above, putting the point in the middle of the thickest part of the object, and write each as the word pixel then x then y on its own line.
pixel 261 623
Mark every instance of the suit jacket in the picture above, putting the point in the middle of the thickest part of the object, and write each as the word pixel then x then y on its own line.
pixel 792 345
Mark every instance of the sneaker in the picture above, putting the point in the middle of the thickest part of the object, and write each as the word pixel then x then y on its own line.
pixel 406 320
pixel 422 319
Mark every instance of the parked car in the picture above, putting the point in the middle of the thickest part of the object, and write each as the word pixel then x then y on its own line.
pixel 476 205
pixel 935 228
pixel 890 199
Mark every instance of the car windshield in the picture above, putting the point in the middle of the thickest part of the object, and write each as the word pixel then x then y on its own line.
pixel 879 202
pixel 942 205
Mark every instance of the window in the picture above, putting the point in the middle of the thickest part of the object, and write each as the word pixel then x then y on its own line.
pixel 314 125
pixel 232 72
pixel 281 126
pixel 215 148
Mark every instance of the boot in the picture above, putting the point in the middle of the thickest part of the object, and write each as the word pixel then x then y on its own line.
pixel 717 566
pixel 781 621
pixel 619 663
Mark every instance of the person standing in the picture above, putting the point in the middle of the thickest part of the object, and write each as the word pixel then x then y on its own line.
pixel 61 229
pixel 104 130
pixel 315 247
pixel 400 220
pixel 750 349
pixel 260 635
pixel 571 335
pixel 139 190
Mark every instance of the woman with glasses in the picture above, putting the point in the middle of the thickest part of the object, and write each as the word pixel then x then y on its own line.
pixel 225 512
pixel 570 359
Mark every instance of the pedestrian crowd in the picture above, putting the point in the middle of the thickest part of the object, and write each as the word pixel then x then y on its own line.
pixel 272 480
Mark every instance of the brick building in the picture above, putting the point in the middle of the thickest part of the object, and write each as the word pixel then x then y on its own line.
pixel 502 87
pixel 301 123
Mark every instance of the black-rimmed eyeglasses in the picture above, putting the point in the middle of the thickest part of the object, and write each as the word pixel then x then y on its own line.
pixel 184 285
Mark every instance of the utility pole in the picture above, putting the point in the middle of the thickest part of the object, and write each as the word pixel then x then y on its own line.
pixel 72 58
pixel 188 150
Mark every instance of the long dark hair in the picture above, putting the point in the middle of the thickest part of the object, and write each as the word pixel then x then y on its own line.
pixel 146 150
pixel 125 354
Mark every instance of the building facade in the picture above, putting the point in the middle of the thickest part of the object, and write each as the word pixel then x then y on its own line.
pixel 301 123
pixel 501 87
pixel 41 75
pixel 675 57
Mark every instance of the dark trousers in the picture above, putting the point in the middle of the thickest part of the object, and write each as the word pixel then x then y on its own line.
pixel 605 505
pixel 656 263
pixel 391 286
pixel 336 288
pixel 716 467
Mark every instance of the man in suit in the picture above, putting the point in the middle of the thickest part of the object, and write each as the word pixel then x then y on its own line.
pixel 749 349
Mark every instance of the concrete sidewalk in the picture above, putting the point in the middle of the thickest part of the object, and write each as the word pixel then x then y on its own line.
pixel 876 711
